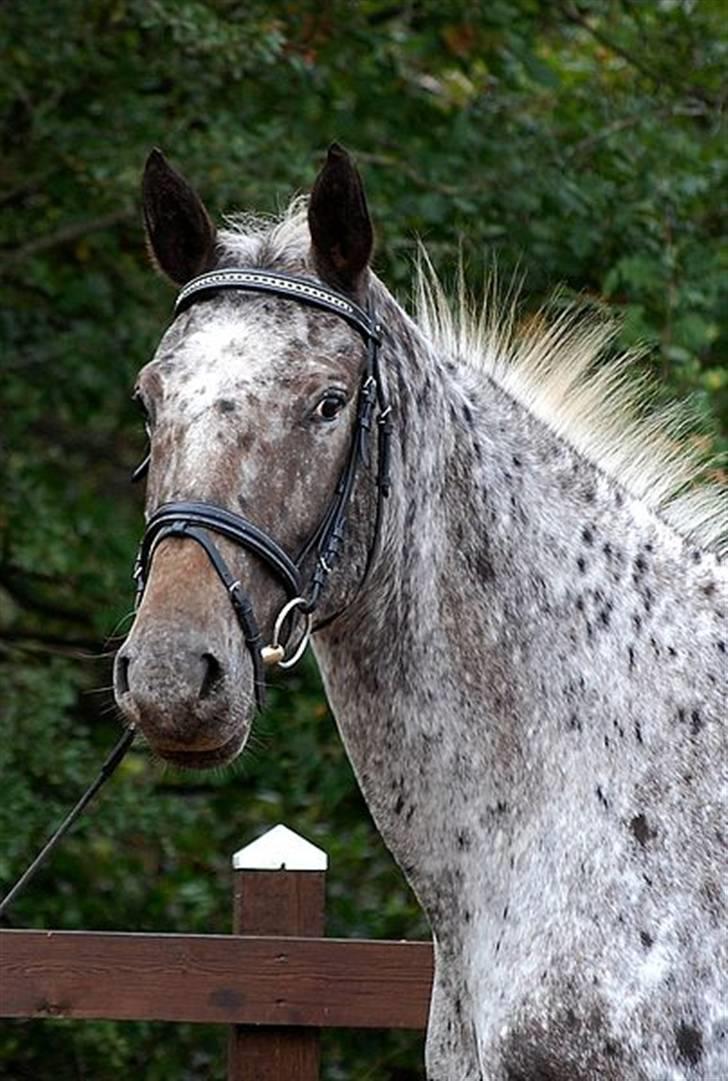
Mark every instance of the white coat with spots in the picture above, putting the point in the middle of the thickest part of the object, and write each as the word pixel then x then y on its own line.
pixel 531 686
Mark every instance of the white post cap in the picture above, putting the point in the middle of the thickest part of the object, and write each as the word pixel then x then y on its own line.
pixel 280 849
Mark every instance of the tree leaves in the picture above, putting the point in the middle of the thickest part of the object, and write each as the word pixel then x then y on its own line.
pixel 579 143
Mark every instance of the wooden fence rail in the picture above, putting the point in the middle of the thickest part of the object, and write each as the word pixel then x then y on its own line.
pixel 276 982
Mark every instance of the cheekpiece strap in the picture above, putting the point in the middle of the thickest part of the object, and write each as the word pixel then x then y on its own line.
pixel 286 285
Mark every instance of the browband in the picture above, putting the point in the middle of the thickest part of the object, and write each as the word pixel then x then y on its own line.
pixel 267 281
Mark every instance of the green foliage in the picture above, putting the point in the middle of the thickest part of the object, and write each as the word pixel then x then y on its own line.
pixel 577 142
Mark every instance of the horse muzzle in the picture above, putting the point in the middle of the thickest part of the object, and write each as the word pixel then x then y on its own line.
pixel 184 676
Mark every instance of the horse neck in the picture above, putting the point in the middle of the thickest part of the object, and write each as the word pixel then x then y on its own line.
pixel 510 567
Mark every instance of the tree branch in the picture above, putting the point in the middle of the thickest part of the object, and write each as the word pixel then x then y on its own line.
pixel 616 126
pixel 35 641
pixel 655 75
pixel 26 598
pixel 67 234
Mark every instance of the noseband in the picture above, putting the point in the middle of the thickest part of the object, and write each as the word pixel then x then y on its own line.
pixel 196 521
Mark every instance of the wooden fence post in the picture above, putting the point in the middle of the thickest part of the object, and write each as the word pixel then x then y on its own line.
pixel 279 884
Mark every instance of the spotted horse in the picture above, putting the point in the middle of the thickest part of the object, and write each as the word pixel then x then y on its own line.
pixel 514 589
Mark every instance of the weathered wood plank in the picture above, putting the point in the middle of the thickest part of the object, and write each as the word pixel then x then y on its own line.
pixel 228 979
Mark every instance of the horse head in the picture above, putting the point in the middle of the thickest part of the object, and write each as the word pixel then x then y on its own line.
pixel 254 403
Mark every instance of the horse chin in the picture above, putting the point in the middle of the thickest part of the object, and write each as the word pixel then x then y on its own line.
pixel 190 737
pixel 204 757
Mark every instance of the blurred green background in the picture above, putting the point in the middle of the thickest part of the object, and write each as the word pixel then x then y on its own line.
pixel 579 142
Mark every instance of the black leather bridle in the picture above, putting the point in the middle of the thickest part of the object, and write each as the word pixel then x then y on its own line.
pixel 196 521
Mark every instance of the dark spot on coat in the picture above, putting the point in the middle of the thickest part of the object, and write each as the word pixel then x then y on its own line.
pixel 575 1045
pixel 481 565
pixel 638 732
pixel 225 405
pixel 641 830
pixel 696 722
pixel 587 535
pixel 689 1040
pixel 574 723
pixel 602 798
pixel 646 939
pixel 581 564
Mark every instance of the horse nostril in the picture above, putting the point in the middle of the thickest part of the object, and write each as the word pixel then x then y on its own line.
pixel 122 674
pixel 213 677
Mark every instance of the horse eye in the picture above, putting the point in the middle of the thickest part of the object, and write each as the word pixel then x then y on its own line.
pixel 330 406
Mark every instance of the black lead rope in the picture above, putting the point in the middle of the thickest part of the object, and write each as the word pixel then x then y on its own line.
pixel 109 766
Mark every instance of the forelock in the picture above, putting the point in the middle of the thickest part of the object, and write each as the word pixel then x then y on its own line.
pixel 260 241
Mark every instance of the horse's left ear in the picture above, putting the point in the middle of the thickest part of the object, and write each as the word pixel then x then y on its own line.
pixel 341 230
pixel 180 233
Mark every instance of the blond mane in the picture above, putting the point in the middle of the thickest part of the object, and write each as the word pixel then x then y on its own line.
pixel 557 364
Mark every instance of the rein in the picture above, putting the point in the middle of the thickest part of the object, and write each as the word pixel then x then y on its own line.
pixel 196 521
pixel 112 761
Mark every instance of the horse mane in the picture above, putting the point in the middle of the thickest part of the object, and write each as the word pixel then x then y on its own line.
pixel 559 365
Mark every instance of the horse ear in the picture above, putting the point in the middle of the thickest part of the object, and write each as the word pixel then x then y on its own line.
pixel 180 233
pixel 341 230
